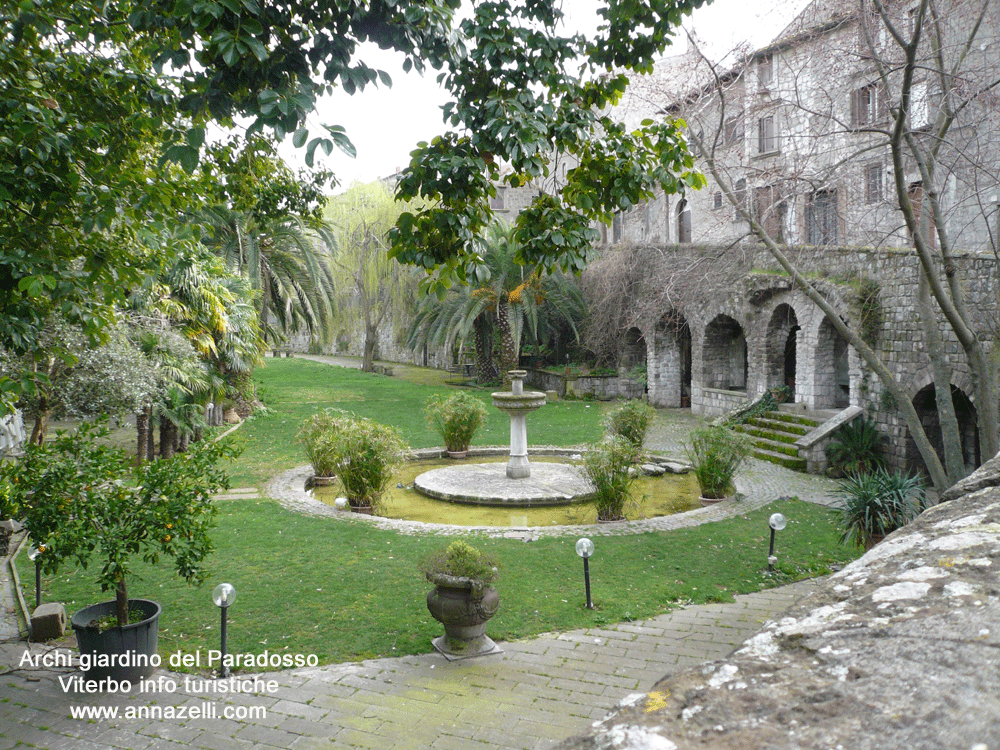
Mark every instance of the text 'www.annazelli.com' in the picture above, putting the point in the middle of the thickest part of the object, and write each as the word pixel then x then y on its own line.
pixel 202 710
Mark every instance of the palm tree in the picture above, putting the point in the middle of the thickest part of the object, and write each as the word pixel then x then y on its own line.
pixel 286 263
pixel 508 302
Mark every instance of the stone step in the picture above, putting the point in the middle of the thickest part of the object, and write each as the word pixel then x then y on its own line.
pixel 781 459
pixel 777 425
pixel 769 433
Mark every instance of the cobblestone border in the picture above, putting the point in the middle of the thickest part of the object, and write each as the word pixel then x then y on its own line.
pixel 288 488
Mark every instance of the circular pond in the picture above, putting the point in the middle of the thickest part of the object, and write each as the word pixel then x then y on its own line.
pixel 654 496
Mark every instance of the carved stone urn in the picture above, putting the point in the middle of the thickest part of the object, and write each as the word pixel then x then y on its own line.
pixel 463 606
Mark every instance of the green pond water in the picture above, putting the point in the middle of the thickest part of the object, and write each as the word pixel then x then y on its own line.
pixel 652 496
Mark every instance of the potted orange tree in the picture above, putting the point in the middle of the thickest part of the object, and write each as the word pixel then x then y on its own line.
pixel 83 501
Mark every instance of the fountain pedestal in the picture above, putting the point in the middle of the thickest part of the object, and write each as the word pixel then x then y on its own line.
pixel 518 403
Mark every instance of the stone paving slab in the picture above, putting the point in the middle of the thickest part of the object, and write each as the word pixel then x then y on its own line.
pixel 533 695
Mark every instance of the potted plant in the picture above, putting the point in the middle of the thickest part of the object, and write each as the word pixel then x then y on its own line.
pixel 456 418
pixel 716 453
pixel 463 599
pixel 315 435
pixel 607 466
pixel 84 502
pixel 877 503
pixel 362 454
pixel 631 421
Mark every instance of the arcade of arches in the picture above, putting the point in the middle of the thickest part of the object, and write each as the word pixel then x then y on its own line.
pixel 714 359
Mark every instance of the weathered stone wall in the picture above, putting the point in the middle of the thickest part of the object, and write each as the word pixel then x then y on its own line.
pixel 899 650
pixel 786 340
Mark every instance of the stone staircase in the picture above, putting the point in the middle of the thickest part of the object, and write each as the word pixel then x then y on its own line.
pixel 774 434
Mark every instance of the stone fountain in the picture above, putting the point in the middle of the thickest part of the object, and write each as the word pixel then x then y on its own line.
pixel 546 483
pixel 518 404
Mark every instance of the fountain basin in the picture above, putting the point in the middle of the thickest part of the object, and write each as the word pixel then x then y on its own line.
pixel 489 484
pixel 518 403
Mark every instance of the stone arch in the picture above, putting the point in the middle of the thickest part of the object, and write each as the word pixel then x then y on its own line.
pixel 669 362
pixel 831 369
pixel 724 355
pixel 925 402
pixel 780 347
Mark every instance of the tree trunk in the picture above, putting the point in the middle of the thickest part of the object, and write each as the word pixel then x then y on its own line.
pixel 121 602
pixel 41 422
pixel 954 460
pixel 508 347
pixel 166 437
pixel 486 371
pixel 368 360
pixel 142 435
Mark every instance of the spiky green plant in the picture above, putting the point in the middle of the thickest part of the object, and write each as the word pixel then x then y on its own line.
pixel 877 503
pixel 856 448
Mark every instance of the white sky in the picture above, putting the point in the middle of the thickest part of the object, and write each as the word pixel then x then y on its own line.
pixel 385 124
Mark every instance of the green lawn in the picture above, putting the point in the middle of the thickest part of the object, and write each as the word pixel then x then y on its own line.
pixel 347 591
pixel 294 389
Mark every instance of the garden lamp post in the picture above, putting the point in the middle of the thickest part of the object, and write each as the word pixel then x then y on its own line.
pixel 224 595
pixel 35 554
pixel 585 548
pixel 777 522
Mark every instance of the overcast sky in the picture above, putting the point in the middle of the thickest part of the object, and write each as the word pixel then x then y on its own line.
pixel 385 124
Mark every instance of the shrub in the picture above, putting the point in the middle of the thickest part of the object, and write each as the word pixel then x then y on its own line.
pixel 461 560
pixel 316 436
pixel 630 421
pixel 456 418
pixel 716 453
pixel 856 448
pixel 80 499
pixel 877 503
pixel 607 466
pixel 362 453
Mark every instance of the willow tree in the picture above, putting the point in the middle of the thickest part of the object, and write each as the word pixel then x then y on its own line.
pixel 369 284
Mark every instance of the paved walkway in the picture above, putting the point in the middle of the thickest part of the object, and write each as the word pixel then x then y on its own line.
pixel 535 694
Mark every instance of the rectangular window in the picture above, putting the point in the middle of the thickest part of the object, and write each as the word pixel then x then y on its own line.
pixel 919 106
pixel 767 137
pixel 769 211
pixel 765 70
pixel 734 130
pixel 821 218
pixel 498 201
pixel 873 183
pixel 740 191
pixel 617 227
pixel 869 105
pixel 717 201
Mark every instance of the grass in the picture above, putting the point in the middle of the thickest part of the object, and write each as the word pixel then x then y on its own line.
pixel 347 591
pixel 294 389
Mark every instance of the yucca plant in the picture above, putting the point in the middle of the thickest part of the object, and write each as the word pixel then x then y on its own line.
pixel 856 448
pixel 877 503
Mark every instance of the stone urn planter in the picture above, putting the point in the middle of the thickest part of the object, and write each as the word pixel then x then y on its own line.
pixel 464 606
pixel 120 653
pixel 457 454
pixel 707 501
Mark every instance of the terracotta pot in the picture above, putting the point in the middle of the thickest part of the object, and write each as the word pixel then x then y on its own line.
pixel 365 510
pixel 463 606
pixel 457 454
pixel 323 481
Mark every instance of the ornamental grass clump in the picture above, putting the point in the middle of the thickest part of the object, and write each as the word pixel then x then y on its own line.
pixel 856 448
pixel 607 466
pixel 877 503
pixel 716 453
pixel 363 454
pixel 316 436
pixel 456 418
pixel 461 560
pixel 631 421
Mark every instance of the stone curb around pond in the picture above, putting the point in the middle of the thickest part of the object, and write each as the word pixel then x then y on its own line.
pixel 288 488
